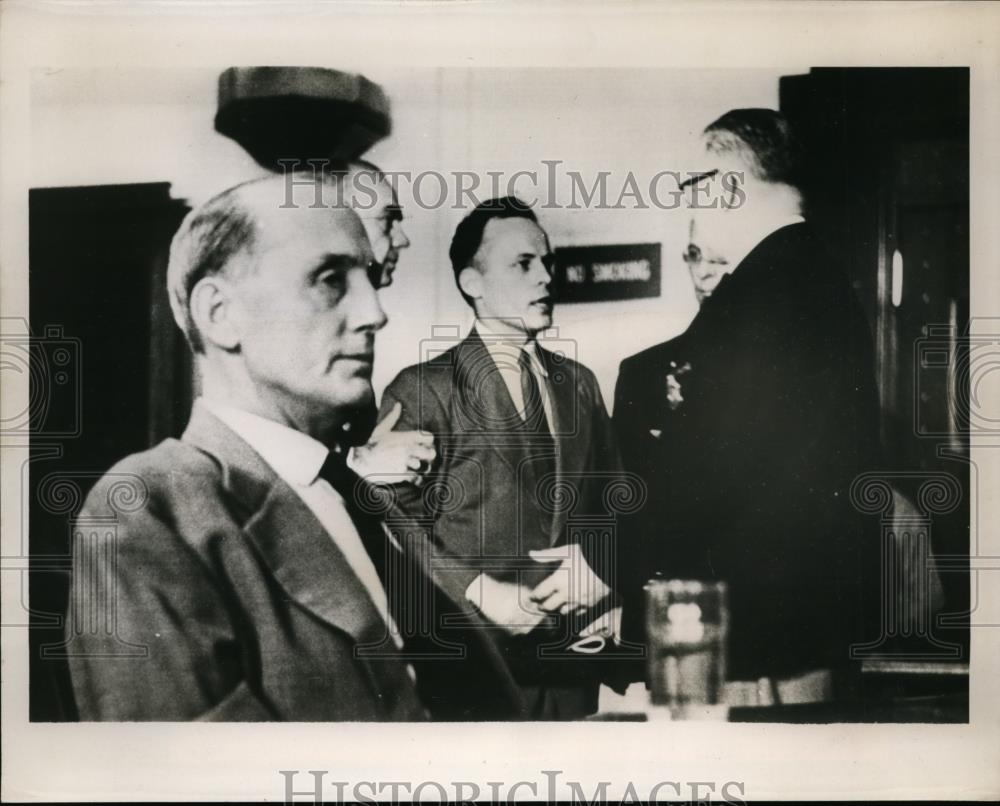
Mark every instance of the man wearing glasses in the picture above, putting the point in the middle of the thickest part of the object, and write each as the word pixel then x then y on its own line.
pixel 388 456
pixel 750 427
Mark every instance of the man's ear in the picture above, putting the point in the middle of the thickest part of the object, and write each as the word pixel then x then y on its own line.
pixel 733 185
pixel 211 309
pixel 471 282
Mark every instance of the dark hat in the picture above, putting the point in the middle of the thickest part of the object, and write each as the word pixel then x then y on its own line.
pixel 301 113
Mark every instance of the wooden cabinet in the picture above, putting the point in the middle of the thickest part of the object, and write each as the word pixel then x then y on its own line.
pixel 888 181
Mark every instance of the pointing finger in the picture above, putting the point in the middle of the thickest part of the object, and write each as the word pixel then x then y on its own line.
pixel 387 424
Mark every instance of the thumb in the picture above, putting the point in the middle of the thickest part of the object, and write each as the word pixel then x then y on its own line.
pixel 387 424
pixel 553 555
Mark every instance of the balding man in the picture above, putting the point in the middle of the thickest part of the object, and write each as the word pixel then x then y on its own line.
pixel 253 568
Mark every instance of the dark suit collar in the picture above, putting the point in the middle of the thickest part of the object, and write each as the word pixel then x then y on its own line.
pixel 508 347
pixel 775 244
pixel 485 404
pixel 472 350
pixel 761 263
pixel 303 557
pixel 486 400
pixel 561 383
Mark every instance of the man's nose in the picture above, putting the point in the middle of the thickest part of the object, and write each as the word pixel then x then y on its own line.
pixel 365 311
pixel 709 278
pixel 696 227
pixel 399 237
pixel 540 272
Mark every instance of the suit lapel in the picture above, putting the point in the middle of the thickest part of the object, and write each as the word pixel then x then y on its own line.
pixel 300 553
pixel 566 422
pixel 486 416
pixel 310 567
pixel 566 425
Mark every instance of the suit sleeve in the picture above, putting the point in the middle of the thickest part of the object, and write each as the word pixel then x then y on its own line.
pixel 626 424
pixel 606 454
pixel 419 411
pixel 162 646
pixel 636 558
pixel 412 515
pixel 605 460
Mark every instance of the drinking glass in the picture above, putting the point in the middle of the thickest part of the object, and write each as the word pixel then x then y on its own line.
pixel 687 627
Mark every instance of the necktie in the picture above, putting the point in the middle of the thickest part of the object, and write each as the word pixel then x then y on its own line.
pixel 352 488
pixel 534 410
pixel 542 446
pixel 453 681
pixel 408 588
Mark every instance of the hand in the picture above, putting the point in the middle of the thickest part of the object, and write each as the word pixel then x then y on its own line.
pixel 394 457
pixel 505 604
pixel 608 625
pixel 572 587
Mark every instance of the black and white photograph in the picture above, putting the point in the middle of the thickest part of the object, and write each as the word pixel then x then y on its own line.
pixel 499 403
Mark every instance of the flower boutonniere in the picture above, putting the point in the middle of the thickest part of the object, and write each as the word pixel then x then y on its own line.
pixel 675 396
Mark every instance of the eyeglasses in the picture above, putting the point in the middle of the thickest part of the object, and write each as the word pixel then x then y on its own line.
pixel 692 254
pixel 730 187
pixel 694 179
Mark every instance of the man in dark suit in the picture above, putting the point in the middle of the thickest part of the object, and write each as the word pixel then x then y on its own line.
pixel 248 567
pixel 750 426
pixel 525 450
pixel 389 454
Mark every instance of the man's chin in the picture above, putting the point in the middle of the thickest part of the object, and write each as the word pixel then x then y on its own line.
pixel 351 392
pixel 360 392
pixel 536 321
pixel 703 292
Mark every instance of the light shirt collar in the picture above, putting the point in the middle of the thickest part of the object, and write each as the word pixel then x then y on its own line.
pixel 294 456
pixel 506 345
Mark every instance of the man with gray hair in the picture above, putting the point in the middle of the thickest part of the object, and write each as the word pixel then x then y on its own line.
pixel 252 569
pixel 751 425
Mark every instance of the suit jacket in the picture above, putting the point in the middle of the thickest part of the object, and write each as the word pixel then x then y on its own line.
pixel 246 606
pixel 750 472
pixel 491 498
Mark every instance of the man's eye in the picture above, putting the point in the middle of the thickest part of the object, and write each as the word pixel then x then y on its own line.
pixel 333 280
pixel 525 264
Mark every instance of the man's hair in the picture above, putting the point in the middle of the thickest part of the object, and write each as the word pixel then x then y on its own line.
pixel 212 235
pixel 763 139
pixel 209 238
pixel 469 232
pixel 340 169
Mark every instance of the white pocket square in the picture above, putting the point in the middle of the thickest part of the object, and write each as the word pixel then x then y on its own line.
pixel 656 433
